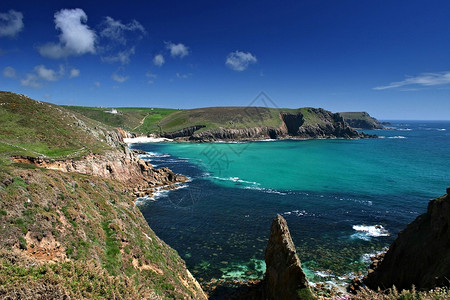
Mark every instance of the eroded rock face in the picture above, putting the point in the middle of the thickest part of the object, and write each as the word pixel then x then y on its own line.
pixel 284 277
pixel 420 255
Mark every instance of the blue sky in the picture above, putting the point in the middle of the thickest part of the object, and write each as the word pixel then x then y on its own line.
pixel 389 58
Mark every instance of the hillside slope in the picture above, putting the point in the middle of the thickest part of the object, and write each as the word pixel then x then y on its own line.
pixel 68 223
pixel 141 120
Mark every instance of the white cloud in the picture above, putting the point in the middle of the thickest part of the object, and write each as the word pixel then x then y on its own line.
pixel 11 23
pixel 424 79
pixel 183 76
pixel 159 60
pixel 116 30
pixel 122 56
pixel 76 38
pixel 31 81
pixel 97 83
pixel 74 73
pixel 116 39
pixel 9 72
pixel 41 73
pixel 239 61
pixel 49 74
pixel 179 50
pixel 119 78
pixel 152 76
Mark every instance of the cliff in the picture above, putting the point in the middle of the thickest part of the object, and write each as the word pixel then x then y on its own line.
pixel 361 120
pixel 255 123
pixel 69 224
pixel 420 255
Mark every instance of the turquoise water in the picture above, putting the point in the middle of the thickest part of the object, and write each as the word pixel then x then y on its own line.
pixel 333 194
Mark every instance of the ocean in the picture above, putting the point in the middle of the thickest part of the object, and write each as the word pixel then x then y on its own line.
pixel 343 200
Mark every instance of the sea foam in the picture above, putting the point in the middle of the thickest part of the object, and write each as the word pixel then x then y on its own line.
pixel 366 232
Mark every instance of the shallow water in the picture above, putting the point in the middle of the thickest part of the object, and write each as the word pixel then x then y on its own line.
pixel 342 199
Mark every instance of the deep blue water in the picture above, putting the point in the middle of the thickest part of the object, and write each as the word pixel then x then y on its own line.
pixel 332 193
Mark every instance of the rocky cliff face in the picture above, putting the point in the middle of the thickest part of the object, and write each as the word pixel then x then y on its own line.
pixel 124 166
pixel 188 131
pixel 420 255
pixel 325 125
pixel 224 134
pixel 284 277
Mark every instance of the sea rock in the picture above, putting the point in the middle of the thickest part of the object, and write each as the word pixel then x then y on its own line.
pixel 284 277
pixel 420 255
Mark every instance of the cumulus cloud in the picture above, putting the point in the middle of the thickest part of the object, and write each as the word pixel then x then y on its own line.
pixel 119 78
pixel 424 79
pixel 74 73
pixel 31 80
pixel 177 50
pixel 115 30
pixel 42 73
pixel 76 37
pixel 9 72
pixel 239 61
pixel 159 60
pixel 49 74
pixel 11 23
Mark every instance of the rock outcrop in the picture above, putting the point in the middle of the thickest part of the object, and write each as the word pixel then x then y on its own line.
pixel 124 166
pixel 362 120
pixel 284 277
pixel 420 255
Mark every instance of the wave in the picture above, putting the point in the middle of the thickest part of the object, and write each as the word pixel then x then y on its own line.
pixel 367 258
pixel 397 137
pixel 236 179
pixel 367 232
pixel 269 191
pixel 298 213
pixel 160 192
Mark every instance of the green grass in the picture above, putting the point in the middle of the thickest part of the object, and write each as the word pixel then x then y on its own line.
pixel 234 117
pixel 34 128
pixel 135 119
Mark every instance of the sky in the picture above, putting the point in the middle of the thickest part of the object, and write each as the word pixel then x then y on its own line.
pixel 389 58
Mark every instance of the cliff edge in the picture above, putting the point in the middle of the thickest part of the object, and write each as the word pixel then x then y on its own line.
pixel 420 255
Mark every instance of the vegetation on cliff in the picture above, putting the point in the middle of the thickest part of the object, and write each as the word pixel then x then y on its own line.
pixel 64 233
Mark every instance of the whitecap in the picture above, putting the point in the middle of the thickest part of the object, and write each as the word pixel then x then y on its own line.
pixel 269 191
pixel 372 231
pixel 397 137
pixel 298 213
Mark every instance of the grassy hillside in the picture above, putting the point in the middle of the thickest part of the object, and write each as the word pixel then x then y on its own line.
pixel 232 117
pixel 36 128
pixel 138 120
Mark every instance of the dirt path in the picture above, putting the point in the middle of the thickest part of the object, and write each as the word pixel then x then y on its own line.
pixel 142 121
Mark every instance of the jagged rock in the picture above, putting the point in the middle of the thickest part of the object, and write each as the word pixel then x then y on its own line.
pixel 284 277
pixel 420 255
